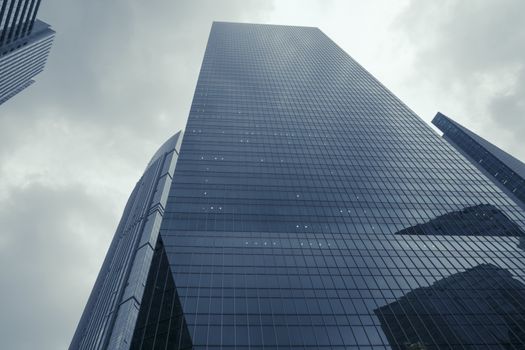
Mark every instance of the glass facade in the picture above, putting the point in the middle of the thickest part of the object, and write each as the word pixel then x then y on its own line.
pixel 311 209
pixel 25 43
pixel 429 315
pixel 120 293
pixel 506 171
pixel 298 174
pixel 17 18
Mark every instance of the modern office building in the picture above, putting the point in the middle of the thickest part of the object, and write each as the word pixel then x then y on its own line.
pixel 112 309
pixel 309 209
pixel 25 43
pixel 507 172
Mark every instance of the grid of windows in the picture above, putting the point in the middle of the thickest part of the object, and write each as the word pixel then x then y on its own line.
pixel 496 168
pixel 414 318
pixel 160 323
pixel 123 288
pixel 297 175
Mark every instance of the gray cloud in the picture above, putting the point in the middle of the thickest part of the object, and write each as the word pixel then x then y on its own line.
pixel 49 247
pixel 119 81
pixel 508 108
pixel 471 52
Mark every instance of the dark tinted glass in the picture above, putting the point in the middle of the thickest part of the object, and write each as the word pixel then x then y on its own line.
pixel 311 208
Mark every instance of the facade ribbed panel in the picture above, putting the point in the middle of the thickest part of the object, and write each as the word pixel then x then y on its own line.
pixel 503 169
pixel 109 319
pixel 20 66
pixel 25 43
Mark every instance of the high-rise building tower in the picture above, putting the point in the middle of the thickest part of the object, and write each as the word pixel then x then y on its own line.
pixel 309 209
pixel 25 43
pixel 506 171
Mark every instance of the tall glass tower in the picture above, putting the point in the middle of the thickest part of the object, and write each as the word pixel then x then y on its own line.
pixel 25 43
pixel 507 172
pixel 310 209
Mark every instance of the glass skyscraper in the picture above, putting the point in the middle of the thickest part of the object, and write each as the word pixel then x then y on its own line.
pixel 309 209
pixel 506 171
pixel 25 43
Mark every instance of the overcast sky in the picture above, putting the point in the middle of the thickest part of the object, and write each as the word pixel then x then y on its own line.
pixel 120 79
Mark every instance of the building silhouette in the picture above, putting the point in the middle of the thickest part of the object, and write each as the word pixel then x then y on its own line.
pixel 504 170
pixel 112 309
pixel 25 43
pixel 492 305
pixel 479 220
pixel 282 224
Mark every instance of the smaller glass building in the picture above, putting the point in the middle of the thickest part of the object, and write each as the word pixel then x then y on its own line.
pixel 504 170
pixel 109 318
pixel 25 43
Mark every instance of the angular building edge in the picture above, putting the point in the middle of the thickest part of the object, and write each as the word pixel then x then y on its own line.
pixel 504 170
pixel 23 59
pixel 109 318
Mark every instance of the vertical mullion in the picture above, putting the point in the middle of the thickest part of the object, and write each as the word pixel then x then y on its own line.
pixel 7 20
pixel 15 20
pixel 25 30
pixel 2 12
pixel 21 23
pixel 32 21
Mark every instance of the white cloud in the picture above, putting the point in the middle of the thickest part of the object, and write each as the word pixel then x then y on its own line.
pixel 468 57
pixel 50 248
